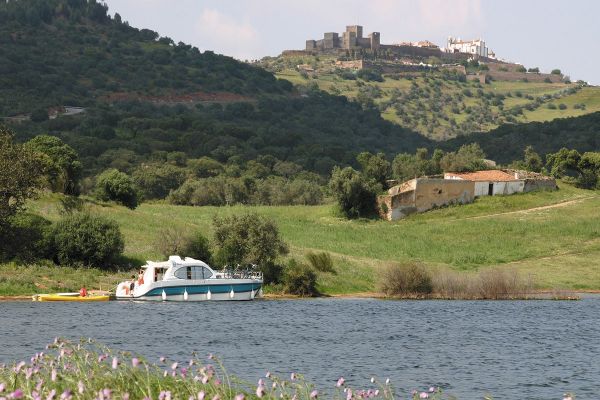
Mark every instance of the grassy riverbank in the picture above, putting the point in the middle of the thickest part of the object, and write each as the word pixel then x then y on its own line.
pixel 88 370
pixel 553 236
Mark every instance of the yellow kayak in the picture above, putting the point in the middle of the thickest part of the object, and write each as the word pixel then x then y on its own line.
pixel 69 297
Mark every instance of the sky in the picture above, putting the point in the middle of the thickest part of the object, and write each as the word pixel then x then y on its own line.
pixel 536 33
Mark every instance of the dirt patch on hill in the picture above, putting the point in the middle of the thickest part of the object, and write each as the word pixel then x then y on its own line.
pixel 185 99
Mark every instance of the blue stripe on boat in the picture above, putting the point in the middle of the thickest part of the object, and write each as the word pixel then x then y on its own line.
pixel 203 289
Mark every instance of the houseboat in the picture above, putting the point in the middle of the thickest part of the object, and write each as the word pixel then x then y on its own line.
pixel 189 280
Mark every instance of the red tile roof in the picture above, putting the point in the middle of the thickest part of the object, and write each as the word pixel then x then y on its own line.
pixel 479 176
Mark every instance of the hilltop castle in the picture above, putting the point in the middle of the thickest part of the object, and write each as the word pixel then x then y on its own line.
pixel 351 39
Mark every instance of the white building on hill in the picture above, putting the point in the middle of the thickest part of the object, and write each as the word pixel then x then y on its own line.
pixel 475 47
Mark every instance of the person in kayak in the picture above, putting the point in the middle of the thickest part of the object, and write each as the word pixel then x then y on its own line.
pixel 83 291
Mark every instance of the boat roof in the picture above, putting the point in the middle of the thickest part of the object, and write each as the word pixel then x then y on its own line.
pixel 174 260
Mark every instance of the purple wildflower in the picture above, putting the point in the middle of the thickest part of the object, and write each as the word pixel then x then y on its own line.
pixel 340 382
pixel 135 362
pixel 216 397
pixel 125 396
pixel 80 387
pixel 431 389
pixel 66 395
pixel 261 382
pixel 162 359
pixel 201 395
pixel 115 363
pixel 174 366
pixel 314 394
pixel 349 394
pixel 53 375
pixel 51 395
pixel 240 396
pixel 17 394
pixel 2 387
pixel 424 395
pixel 260 391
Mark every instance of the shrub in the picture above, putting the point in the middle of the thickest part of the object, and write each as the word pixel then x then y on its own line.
pixel 407 279
pixel 551 106
pixel 197 246
pixel 87 239
pixel 556 72
pixel 272 273
pixel 171 241
pixel 29 238
pixel 246 240
pixel 321 262
pixel 300 279
pixel 355 196
pixel 117 186
pixel 494 283
pixel 562 106
pixel 521 69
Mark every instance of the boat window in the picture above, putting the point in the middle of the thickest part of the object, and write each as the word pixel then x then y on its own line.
pixel 193 272
pixel 182 273
pixel 206 273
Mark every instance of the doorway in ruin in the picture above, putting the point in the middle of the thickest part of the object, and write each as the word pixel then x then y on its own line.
pixel 491 189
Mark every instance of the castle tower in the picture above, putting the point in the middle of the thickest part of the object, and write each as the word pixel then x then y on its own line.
pixel 375 39
pixel 357 29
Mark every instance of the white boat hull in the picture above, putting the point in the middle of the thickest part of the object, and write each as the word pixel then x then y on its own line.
pixel 221 290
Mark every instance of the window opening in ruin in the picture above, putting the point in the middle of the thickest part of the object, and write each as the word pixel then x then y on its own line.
pixel 491 189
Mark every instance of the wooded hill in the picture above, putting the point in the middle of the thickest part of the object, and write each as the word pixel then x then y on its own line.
pixel 146 99
pixel 437 100
pixel 145 96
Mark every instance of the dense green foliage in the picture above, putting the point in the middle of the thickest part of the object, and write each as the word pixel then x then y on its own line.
pixel 87 239
pixel 28 239
pixel 117 186
pixel 507 142
pixel 61 165
pixel 582 169
pixel 146 97
pixel 355 195
pixel 56 52
pixel 250 239
pixel 300 279
pixel 20 173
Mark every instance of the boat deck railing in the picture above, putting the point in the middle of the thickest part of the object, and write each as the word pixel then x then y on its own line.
pixel 241 274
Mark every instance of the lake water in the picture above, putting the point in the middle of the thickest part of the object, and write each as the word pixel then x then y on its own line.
pixel 510 349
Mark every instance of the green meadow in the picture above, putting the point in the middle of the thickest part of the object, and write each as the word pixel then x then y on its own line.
pixel 554 237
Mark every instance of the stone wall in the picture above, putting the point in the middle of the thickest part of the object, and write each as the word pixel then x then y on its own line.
pixel 422 194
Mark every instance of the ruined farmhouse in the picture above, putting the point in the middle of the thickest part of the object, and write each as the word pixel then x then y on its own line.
pixel 422 194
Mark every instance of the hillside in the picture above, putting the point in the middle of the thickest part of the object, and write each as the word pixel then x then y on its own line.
pixel 439 102
pixel 552 235
pixel 140 96
pixel 502 143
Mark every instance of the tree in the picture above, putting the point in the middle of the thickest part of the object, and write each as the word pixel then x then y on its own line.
pixel 375 167
pixel 247 239
pixel 20 177
pixel 469 157
pixel 300 279
pixel 117 186
pixel 532 160
pixel 563 163
pixel 355 196
pixel 556 72
pixel 155 181
pixel 88 239
pixel 61 164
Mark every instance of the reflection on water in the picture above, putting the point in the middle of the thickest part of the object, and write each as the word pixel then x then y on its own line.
pixel 511 349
